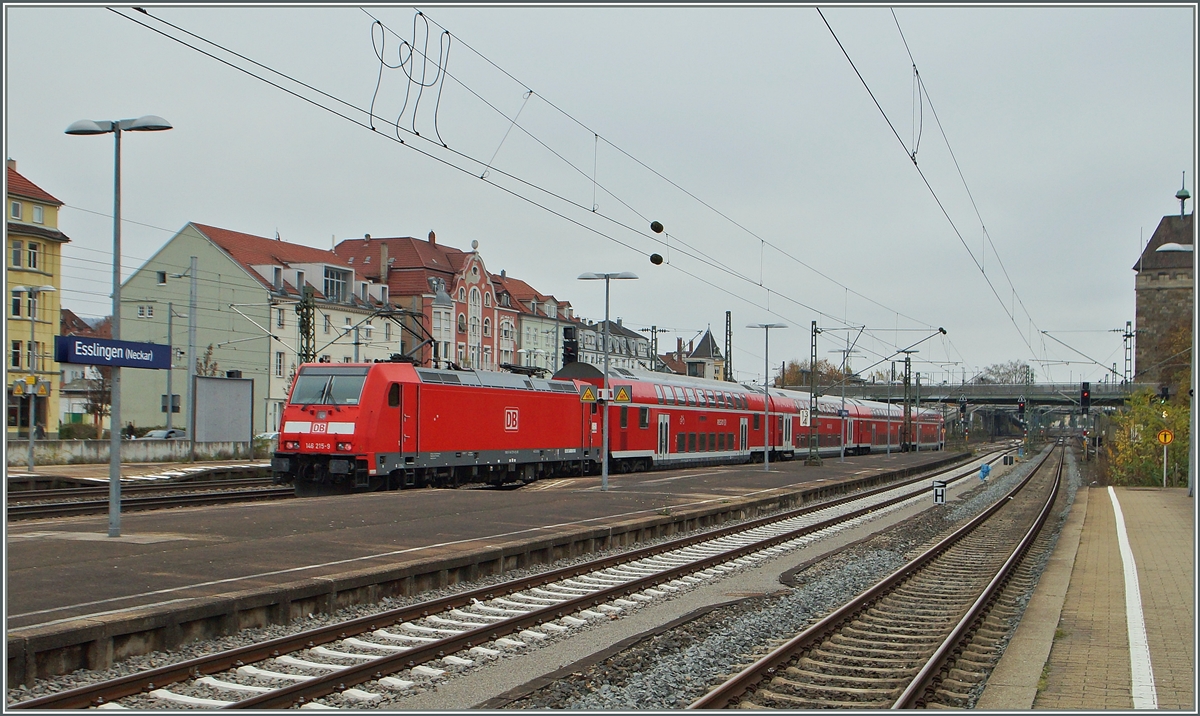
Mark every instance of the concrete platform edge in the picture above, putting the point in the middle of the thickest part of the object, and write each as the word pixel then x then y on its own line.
pixel 1013 684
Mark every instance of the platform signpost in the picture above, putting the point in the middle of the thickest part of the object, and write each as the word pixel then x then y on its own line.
pixel 1166 437
pixel 939 492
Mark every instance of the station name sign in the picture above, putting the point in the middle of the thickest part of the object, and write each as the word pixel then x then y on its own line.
pixel 101 351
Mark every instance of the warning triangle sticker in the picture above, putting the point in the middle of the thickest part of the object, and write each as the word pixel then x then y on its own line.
pixel 622 395
pixel 587 394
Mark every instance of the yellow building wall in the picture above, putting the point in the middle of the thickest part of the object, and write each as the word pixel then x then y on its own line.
pixel 46 326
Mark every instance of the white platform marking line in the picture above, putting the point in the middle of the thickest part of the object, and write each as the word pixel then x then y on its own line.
pixel 1145 696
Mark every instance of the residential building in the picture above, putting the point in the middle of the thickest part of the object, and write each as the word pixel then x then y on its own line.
pixel 626 348
pixel 704 360
pixel 34 260
pixel 1165 303
pixel 541 319
pixel 247 291
pixel 457 313
pixel 81 387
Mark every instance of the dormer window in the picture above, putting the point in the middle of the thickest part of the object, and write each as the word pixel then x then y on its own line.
pixel 277 278
pixel 383 294
pixel 335 284
pixel 300 282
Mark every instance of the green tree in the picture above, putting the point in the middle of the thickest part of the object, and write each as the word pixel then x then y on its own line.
pixel 1133 451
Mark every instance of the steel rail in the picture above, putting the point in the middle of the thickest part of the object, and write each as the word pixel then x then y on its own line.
pixel 164 486
pixel 917 693
pixel 94 694
pixel 748 679
pixel 96 507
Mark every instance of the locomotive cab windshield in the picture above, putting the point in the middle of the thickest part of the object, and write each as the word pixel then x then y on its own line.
pixel 328 385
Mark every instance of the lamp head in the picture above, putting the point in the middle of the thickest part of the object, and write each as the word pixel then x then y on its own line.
pixel 88 126
pixel 149 123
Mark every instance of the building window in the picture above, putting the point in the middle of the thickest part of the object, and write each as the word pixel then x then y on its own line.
pixel 487 326
pixel 462 323
pixel 33 254
pixel 487 299
pixel 279 319
pixel 14 359
pixel 16 253
pixel 37 215
pixel 15 210
pixel 387 332
pixel 346 359
pixel 16 303
pixel 324 359
pixel 328 323
pixel 149 311
pixel 462 294
pixel 368 328
pixel 335 284
pixel 277 278
pixel 383 294
pixel 162 278
pixel 141 311
pixel 279 364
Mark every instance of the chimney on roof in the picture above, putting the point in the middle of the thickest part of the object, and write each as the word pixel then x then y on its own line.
pixel 678 348
pixel 502 274
pixel 691 347
pixel 383 262
pixel 12 164
pixel 618 320
pixel 366 238
pixel 432 238
pixel 277 235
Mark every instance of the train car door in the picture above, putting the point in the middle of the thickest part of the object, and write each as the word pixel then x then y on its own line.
pixel 409 423
pixel 664 436
pixel 787 432
pixel 744 428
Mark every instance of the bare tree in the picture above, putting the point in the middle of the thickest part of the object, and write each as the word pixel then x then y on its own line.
pixel 205 365
pixel 99 397
pixel 1013 372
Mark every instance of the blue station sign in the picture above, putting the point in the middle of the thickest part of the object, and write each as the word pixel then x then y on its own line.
pixel 101 351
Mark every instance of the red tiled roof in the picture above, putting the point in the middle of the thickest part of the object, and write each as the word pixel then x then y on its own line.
pixel 255 250
pixel 22 187
pixel 406 251
pixel 676 366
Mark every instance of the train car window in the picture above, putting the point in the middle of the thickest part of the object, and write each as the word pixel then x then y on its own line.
pixel 691 396
pixel 682 440
pixel 729 441
pixel 721 441
pixel 669 394
pixel 394 395
pixel 712 441
pixel 643 417
pixel 594 409
pixel 757 418
pixel 691 442
pixel 712 399
pixel 703 442
pixel 658 392
pixel 700 398
pixel 624 416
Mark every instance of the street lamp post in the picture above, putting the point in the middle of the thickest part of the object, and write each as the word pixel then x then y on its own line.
pixel 32 292
pixel 766 389
pixel 608 277
pixel 147 123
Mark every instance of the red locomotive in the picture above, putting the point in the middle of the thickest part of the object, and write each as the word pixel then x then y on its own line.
pixel 362 427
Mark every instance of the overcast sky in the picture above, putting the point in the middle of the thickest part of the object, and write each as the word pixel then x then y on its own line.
pixel 786 195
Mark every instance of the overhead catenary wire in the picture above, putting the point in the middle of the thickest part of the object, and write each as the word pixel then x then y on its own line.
pixel 452 165
pixel 929 186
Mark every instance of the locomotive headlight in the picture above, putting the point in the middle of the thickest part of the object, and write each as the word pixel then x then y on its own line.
pixel 343 447
pixel 291 445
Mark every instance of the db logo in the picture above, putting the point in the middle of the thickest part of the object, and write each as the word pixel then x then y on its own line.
pixel 318 427
pixel 510 419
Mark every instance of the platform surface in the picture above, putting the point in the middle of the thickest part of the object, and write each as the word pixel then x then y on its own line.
pixel 68 568
pixel 1072 649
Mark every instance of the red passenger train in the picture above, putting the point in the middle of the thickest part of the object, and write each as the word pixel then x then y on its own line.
pixel 361 427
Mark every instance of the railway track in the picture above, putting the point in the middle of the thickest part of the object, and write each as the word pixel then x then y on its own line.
pixel 72 508
pixel 76 493
pixel 922 637
pixel 371 658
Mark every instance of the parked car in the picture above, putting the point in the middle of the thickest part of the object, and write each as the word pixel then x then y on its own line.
pixel 267 436
pixel 172 434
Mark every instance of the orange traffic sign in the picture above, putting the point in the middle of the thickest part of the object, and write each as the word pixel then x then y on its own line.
pixel 1166 437
pixel 587 393
pixel 623 394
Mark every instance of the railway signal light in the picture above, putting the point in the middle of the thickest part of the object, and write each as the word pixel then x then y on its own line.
pixel 962 406
pixel 1085 397
pixel 1021 407
pixel 570 346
